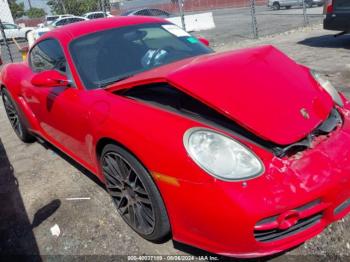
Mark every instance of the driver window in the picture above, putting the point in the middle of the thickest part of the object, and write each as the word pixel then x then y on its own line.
pixel 47 55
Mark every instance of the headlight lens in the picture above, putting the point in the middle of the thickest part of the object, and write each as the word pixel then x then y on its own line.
pixel 330 89
pixel 221 156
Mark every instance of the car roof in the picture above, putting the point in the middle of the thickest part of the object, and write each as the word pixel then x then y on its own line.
pixel 90 26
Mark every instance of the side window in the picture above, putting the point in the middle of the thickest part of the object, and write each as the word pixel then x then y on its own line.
pixel 61 22
pixel 10 26
pixel 144 12
pixel 47 55
pixel 157 12
pixel 74 20
pixel 99 15
pixel 342 4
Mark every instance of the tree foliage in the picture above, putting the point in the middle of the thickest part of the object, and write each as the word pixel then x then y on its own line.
pixel 35 12
pixel 74 7
pixel 17 9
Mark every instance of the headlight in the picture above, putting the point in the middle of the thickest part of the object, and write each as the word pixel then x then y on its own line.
pixel 220 155
pixel 326 85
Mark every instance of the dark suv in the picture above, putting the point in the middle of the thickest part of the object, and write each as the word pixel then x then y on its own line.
pixel 337 15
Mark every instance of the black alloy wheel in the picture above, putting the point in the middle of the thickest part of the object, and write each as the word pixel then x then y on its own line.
pixel 134 193
pixel 16 120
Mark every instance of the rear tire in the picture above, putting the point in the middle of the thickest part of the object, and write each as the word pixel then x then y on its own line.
pixel 16 118
pixel 276 6
pixel 309 3
pixel 134 193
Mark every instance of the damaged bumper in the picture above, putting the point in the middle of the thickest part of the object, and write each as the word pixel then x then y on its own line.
pixel 296 199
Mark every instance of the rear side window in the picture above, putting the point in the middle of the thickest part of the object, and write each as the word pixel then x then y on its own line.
pixel 47 55
pixel 342 5
pixel 98 15
pixel 74 20
pixel 10 26
pixel 144 12
pixel 157 12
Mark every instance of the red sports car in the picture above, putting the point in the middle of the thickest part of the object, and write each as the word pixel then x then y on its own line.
pixel 244 153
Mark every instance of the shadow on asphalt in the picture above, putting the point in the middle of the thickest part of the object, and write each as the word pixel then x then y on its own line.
pixel 46 211
pixel 16 235
pixel 72 162
pixel 327 41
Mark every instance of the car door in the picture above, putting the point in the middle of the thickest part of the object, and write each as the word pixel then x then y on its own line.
pixel 60 111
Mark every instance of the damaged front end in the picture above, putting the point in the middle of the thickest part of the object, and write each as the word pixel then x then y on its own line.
pixel 333 122
pixel 167 97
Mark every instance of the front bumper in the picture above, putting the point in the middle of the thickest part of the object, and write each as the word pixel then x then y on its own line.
pixel 310 190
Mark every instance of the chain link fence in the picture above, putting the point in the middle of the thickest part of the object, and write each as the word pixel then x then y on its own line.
pixel 220 21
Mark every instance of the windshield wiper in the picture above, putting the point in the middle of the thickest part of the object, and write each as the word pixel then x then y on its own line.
pixel 108 82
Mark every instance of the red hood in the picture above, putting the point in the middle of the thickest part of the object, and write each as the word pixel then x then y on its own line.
pixel 261 89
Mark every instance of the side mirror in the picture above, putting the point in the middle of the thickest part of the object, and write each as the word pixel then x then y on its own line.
pixel 51 78
pixel 204 41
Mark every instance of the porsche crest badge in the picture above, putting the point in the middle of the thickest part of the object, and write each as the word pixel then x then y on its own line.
pixel 304 113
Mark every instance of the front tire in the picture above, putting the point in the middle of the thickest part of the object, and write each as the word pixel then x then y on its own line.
pixel 16 119
pixel 134 193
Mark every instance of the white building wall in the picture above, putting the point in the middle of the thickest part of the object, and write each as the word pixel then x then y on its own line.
pixel 5 13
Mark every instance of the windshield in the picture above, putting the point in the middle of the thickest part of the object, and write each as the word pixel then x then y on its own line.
pixel 109 56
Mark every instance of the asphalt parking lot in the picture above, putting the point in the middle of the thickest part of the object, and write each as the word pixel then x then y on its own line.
pixel 42 191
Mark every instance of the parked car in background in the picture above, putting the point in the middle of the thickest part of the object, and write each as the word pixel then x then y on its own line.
pixel 57 23
pixel 277 4
pixel 96 15
pixel 148 12
pixel 337 15
pixel 15 31
pixel 50 18
pixel 67 20
pixel 318 2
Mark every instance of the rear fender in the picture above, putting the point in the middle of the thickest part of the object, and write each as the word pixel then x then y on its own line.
pixel 9 79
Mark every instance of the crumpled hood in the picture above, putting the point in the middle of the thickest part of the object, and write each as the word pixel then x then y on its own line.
pixel 261 89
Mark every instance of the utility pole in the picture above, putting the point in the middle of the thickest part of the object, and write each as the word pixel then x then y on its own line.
pixel 306 19
pixel 180 2
pixel 30 4
pixel 254 22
